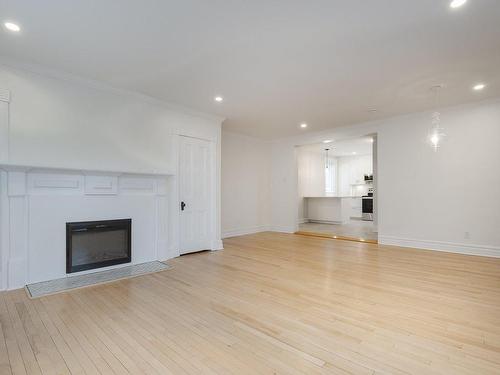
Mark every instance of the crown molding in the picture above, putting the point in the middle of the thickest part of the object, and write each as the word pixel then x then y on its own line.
pixel 102 86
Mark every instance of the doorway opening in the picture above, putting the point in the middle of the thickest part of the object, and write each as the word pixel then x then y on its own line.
pixel 337 189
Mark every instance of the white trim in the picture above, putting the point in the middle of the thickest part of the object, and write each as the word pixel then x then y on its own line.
pixel 283 229
pixel 19 248
pixel 451 247
pixel 243 231
pixel 215 241
pixel 84 171
pixel 60 75
pixel 4 95
pixel 217 245
pixel 333 222
pixel 257 229
pixel 4 132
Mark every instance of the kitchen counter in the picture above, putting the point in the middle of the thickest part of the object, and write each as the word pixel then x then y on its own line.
pixel 335 210
pixel 335 196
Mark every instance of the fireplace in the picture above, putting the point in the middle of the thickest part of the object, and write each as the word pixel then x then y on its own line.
pixel 95 244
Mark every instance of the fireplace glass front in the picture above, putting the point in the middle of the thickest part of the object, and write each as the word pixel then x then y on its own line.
pixel 95 244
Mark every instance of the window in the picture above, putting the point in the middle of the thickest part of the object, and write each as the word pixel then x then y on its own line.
pixel 330 175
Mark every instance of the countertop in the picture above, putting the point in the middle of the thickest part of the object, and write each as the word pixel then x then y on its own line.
pixel 336 196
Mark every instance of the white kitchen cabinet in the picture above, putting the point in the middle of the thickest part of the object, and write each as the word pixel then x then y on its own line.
pixel 356 208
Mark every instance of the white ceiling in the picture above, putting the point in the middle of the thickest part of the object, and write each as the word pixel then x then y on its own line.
pixel 276 63
pixel 359 146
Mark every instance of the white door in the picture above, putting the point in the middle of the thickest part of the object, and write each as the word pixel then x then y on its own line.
pixel 195 194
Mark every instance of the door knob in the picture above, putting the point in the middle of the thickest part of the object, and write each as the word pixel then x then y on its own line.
pixel 182 206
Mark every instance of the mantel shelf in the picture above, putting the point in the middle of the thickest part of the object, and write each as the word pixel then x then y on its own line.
pixel 85 171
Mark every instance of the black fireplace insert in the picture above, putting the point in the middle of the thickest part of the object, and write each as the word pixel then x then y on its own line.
pixel 95 244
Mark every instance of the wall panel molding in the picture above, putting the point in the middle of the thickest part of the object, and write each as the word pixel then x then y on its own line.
pixel 54 183
pixel 137 185
pixel 101 185
pixel 16 184
pixel 4 95
pixel 4 132
pixel 35 205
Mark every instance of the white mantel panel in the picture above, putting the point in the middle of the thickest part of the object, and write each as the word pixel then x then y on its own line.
pixel 138 185
pixel 4 131
pixel 47 227
pixel 101 185
pixel 18 235
pixel 4 230
pixel 36 206
pixel 55 184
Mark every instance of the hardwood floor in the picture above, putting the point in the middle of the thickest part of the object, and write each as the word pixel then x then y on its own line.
pixel 269 303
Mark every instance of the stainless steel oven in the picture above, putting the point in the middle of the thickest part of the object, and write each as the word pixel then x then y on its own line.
pixel 367 207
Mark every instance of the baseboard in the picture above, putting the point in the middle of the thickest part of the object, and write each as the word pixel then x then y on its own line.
pixel 252 230
pixel 17 274
pixel 243 231
pixel 450 247
pixel 303 220
pixel 217 245
pixel 282 229
pixel 334 222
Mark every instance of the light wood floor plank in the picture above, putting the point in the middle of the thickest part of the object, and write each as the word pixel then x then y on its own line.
pixel 269 303
pixel 30 362
pixel 47 355
pixel 12 362
pixel 69 358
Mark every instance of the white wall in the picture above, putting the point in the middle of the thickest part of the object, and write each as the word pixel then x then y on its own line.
pixel 67 123
pixel 351 170
pixel 445 199
pixel 36 206
pixel 310 176
pixel 426 199
pixel 375 183
pixel 51 123
pixel 311 172
pixel 245 184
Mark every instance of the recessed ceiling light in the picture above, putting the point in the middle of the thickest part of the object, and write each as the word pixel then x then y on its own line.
pixel 354 153
pixel 457 3
pixel 303 125
pixel 372 110
pixel 12 27
pixel 479 86
pixel 327 141
pixel 218 99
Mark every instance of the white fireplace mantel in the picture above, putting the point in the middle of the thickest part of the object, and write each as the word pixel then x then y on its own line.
pixel 36 202
pixel 84 171
pixel 72 151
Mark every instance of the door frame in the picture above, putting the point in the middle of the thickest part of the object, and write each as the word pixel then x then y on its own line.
pixel 375 165
pixel 214 173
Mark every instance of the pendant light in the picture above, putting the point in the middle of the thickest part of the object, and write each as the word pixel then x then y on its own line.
pixel 436 133
pixel 326 157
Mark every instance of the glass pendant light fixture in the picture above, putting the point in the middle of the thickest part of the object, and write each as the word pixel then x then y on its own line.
pixel 436 133
pixel 326 158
